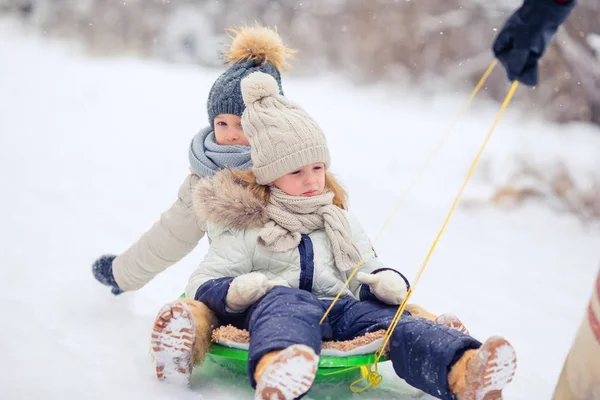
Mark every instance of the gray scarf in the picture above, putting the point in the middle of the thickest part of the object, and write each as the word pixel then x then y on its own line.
pixel 293 215
pixel 207 157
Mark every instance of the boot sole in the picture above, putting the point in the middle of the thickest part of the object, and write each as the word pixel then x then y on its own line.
pixel 453 322
pixel 172 341
pixel 499 368
pixel 290 375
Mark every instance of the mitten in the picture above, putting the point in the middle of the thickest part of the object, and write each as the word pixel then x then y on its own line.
pixel 247 289
pixel 102 270
pixel 525 35
pixel 388 286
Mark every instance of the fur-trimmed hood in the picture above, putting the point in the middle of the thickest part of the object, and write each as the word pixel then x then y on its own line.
pixel 235 212
pixel 226 201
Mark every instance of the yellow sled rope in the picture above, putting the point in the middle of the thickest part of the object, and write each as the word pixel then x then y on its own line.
pixel 370 372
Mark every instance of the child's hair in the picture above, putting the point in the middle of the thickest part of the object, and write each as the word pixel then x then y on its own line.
pixel 248 179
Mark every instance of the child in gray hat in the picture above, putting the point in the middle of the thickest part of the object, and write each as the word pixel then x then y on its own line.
pixel 220 145
pixel 282 247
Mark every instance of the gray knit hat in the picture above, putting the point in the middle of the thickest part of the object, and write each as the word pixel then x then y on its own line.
pixel 255 48
pixel 282 136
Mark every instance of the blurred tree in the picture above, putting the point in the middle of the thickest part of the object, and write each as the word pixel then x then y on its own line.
pixel 427 43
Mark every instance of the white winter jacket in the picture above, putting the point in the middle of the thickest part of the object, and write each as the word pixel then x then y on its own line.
pixel 234 219
pixel 171 238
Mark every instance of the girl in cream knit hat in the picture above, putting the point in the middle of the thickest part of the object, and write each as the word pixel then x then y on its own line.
pixel 282 247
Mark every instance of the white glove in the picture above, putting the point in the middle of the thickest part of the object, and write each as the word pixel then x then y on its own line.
pixel 388 286
pixel 246 289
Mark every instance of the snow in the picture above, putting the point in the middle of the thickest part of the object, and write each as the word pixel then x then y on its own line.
pixel 594 42
pixel 92 150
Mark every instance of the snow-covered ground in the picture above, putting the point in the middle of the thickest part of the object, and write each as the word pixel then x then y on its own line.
pixel 92 150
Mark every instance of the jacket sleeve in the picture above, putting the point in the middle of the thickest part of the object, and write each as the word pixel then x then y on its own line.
pixel 228 256
pixel 371 263
pixel 171 238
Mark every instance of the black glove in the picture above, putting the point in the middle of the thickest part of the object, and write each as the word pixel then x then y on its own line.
pixel 102 270
pixel 525 35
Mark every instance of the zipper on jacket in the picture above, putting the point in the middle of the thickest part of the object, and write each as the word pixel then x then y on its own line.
pixel 307 263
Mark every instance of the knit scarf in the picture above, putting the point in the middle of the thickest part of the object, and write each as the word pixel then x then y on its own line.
pixel 207 157
pixel 292 216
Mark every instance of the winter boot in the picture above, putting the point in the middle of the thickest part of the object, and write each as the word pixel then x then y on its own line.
pixel 417 311
pixel 172 342
pixel 453 322
pixel 289 373
pixel 445 319
pixel 181 338
pixel 205 321
pixel 482 374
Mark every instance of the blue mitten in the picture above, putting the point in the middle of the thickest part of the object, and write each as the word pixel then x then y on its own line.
pixel 102 270
pixel 525 35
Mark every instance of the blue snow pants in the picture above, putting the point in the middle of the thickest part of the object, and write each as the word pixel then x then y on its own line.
pixel 421 351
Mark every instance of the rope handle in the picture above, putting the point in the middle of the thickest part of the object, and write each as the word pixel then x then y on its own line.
pixel 370 373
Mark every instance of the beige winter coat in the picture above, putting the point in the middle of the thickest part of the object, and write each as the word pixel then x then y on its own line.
pixel 171 238
pixel 580 377
pixel 235 218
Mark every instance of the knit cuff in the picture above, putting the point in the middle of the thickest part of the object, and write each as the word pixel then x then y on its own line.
pixel 268 173
pixel 228 106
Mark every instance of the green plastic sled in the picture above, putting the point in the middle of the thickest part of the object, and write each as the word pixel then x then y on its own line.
pixel 331 369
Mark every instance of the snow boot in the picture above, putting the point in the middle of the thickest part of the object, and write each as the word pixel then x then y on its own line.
pixel 482 374
pixel 444 319
pixel 288 375
pixel 172 342
pixel 453 322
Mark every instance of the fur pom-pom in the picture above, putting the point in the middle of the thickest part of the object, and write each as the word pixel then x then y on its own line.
pixel 257 86
pixel 259 43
